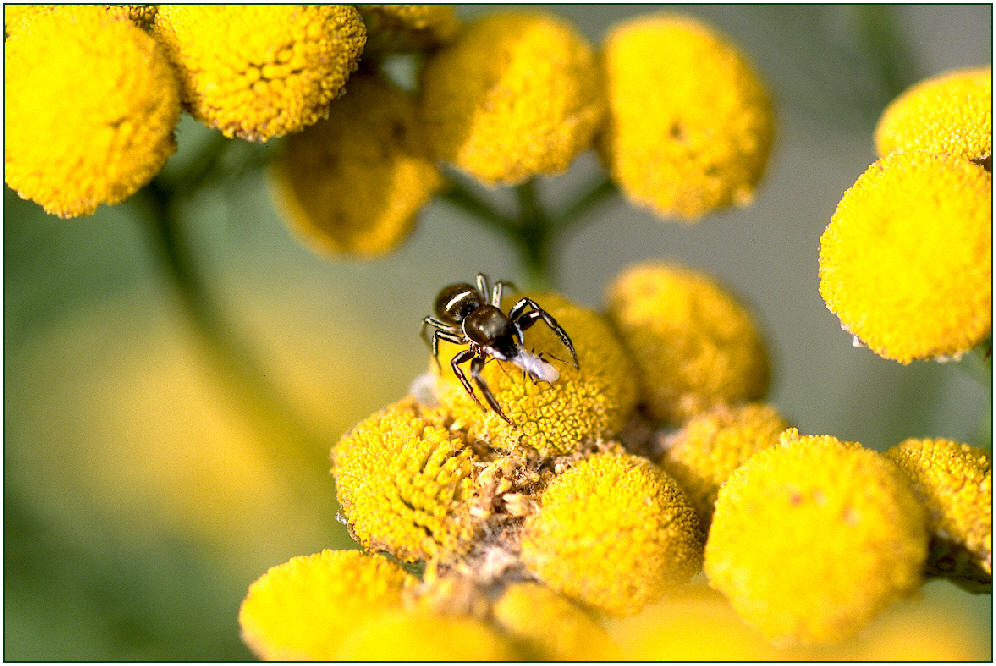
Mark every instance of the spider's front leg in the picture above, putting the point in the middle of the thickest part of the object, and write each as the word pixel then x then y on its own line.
pixel 475 371
pixel 440 330
pixel 524 320
pixel 463 357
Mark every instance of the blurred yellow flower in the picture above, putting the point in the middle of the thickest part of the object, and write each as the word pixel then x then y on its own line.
pixel 906 261
pixel 813 538
pixel 17 16
pixel 423 636
pixel 703 454
pixel 582 405
pixel 406 28
pixel 690 124
pixel 90 103
pixel 694 344
pixel 949 113
pixel 403 478
pixel 514 96
pixel 614 532
pixel 955 482
pixel 261 71
pixel 304 609
pixel 352 184
pixel 555 627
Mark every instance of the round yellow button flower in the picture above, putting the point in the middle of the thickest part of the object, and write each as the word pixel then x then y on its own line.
pixel 261 71
pixel 694 345
pixel 407 28
pixel 583 404
pixel 614 532
pixel 950 113
pixel 403 478
pixel 515 96
pixel 406 636
pixel 305 608
pixel 690 124
pixel 555 627
pixel 353 184
pixel 906 261
pixel 812 538
pixel 90 103
pixel 703 454
pixel 955 482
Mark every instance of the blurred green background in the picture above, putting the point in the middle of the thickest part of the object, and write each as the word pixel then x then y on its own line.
pixel 140 498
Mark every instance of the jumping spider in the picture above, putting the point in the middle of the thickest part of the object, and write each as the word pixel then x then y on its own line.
pixel 466 316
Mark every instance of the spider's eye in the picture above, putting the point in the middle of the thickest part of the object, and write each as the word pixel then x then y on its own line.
pixel 457 301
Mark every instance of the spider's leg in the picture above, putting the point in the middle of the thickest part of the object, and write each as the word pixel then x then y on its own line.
pixel 475 371
pixel 440 330
pixel 496 291
pixel 463 357
pixel 482 287
pixel 524 320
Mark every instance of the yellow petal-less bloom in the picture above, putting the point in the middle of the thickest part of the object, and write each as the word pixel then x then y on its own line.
pixel 261 71
pixel 17 16
pixel 514 96
pixel 352 184
pixel 407 28
pixel 955 483
pixel 694 344
pixel 305 608
pixel 690 124
pixel 555 627
pixel 423 636
pixel 703 454
pixel 614 532
pixel 580 406
pixel 950 113
pixel 403 478
pixel 812 538
pixel 90 103
pixel 906 261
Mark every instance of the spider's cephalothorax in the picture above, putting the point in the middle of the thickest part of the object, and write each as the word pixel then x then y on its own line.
pixel 469 315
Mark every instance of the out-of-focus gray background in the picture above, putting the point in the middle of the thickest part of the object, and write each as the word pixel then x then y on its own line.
pixel 138 503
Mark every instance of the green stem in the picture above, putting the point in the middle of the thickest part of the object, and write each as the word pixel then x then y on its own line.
pixel 533 238
pixel 461 197
pixel 887 47
pixel 577 211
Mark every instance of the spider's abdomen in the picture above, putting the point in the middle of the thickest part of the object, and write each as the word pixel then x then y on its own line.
pixel 457 301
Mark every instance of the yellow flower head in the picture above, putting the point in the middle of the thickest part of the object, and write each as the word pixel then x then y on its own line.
pixel 703 454
pixel 906 261
pixel 955 482
pixel 407 28
pixel 90 103
pixel 582 405
pixel 403 478
pixel 950 113
pixel 614 532
pixel 305 608
pixel 261 71
pixel 515 96
pixel 424 636
pixel 694 345
pixel 812 538
pixel 690 124
pixel 353 184
pixel 16 17
pixel 555 627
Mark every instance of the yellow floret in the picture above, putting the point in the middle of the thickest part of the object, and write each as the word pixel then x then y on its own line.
pixel 261 71
pixel 406 28
pixel 353 184
pixel 580 406
pixel 694 345
pixel 403 479
pixel 90 103
pixel 690 124
pixel 703 454
pixel 417 635
pixel 906 261
pixel 812 538
pixel 515 96
pixel 950 113
pixel 955 482
pixel 614 532
pixel 305 608
pixel 554 627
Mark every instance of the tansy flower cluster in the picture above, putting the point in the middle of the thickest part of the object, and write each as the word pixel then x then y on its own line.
pixel 906 261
